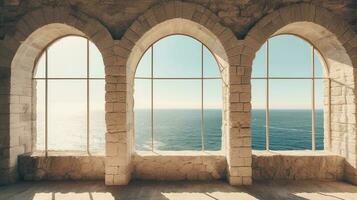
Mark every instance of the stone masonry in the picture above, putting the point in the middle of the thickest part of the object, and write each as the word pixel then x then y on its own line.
pixel 297 165
pixel 173 166
pixel 122 30
pixel 179 166
pixel 36 167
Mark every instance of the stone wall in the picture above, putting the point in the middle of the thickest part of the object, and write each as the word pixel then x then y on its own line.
pixel 117 27
pixel 60 167
pixel 287 165
pixel 294 165
pixel 118 15
pixel 179 166
pixel 147 166
pixel 18 55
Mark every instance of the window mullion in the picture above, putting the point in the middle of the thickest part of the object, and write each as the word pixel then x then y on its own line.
pixel 46 102
pixel 267 116
pixel 88 114
pixel 329 114
pixel 152 98
pixel 313 134
pixel 202 117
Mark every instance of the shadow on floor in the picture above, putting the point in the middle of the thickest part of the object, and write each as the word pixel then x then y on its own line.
pixel 215 190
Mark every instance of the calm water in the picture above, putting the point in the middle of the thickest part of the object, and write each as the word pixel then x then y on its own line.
pixel 289 129
pixel 178 129
pixel 181 130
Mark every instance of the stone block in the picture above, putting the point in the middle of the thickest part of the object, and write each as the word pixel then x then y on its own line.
pixel 297 166
pixel 235 180
pixel 180 166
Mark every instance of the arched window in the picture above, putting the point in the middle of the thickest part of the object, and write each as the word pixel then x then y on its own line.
pixel 69 97
pixel 178 97
pixel 289 95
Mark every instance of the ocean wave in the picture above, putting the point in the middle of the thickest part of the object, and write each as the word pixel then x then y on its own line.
pixel 289 129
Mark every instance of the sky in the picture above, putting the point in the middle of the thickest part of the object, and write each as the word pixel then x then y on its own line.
pixel 289 56
pixel 67 59
pixel 179 56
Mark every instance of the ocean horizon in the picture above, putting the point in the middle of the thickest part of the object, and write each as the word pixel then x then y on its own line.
pixel 180 129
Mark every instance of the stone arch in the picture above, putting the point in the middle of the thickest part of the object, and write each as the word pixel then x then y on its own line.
pixel 196 21
pixel 337 43
pixel 164 29
pixel 32 34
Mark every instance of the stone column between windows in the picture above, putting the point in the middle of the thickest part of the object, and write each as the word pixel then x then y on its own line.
pixel 239 150
pixel 118 143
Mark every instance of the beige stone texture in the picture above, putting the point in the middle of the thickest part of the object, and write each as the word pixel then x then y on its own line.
pixel 59 166
pixel 180 190
pixel 123 30
pixel 294 165
pixel 179 166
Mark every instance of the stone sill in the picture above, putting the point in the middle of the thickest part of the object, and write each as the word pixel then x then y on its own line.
pixel 185 153
pixel 65 154
pixel 179 153
pixel 293 153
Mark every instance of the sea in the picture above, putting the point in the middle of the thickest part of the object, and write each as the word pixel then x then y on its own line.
pixel 180 129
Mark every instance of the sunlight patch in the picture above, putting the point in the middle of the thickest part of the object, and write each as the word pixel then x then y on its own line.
pixel 209 196
pixel 327 196
pixel 73 195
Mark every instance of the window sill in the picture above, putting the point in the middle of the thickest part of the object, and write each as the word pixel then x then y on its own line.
pixel 293 153
pixel 179 153
pixel 65 154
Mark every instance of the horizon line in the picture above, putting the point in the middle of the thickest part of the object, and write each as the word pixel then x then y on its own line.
pixel 221 108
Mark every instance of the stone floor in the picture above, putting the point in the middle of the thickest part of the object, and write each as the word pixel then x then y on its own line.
pixel 177 190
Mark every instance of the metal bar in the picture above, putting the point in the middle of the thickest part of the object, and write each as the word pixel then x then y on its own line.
pixel 298 78
pixel 329 115
pixel 46 103
pixel 202 117
pixel 152 98
pixel 313 142
pixel 215 78
pixel 68 78
pixel 88 114
pixel 177 78
pixel 267 119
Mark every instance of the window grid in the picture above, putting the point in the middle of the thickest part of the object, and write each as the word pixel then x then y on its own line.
pixel 87 78
pixel 313 97
pixel 152 78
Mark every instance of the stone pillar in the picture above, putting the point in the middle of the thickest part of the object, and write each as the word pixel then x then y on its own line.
pixel 239 150
pixel 343 139
pixel 16 105
pixel 5 55
pixel 118 141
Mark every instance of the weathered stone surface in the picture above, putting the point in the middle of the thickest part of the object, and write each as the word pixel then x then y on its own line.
pixel 223 26
pixel 294 165
pixel 239 16
pixel 186 166
pixel 58 166
pixel 179 166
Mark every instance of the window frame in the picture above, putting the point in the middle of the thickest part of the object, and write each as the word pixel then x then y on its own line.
pixel 152 78
pixel 46 78
pixel 313 78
